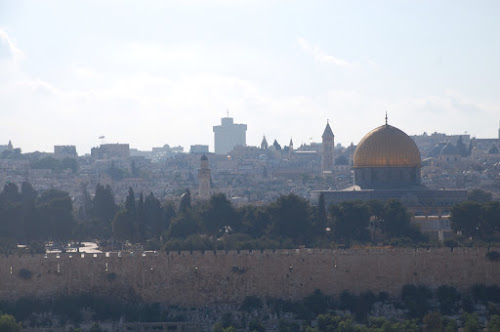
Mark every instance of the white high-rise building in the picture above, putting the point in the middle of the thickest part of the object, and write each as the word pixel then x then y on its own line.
pixel 228 135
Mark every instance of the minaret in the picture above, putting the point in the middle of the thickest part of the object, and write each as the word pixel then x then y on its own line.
pixel 327 149
pixel 204 179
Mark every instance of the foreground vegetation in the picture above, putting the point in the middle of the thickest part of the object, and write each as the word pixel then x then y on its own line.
pixel 417 308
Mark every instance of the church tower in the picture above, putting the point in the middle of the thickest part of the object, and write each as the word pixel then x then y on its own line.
pixel 327 149
pixel 264 144
pixel 204 179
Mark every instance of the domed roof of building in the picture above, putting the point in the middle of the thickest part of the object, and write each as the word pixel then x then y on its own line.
pixel 386 146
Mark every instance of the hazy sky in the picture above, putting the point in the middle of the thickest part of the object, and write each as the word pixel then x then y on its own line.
pixel 151 73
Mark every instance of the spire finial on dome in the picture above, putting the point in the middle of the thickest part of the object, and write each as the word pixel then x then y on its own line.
pixel 386 118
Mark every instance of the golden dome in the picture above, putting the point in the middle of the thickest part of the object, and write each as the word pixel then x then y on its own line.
pixel 386 146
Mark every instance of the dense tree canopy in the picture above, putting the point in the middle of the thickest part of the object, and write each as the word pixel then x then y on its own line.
pixel 290 216
pixel 218 214
pixel 27 216
pixel 477 220
pixel 350 221
pixel 478 195
pixel 288 222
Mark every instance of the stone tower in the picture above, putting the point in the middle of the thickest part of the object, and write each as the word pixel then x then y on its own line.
pixel 263 144
pixel 327 150
pixel 204 179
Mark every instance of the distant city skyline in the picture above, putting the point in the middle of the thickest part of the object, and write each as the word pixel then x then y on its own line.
pixel 151 73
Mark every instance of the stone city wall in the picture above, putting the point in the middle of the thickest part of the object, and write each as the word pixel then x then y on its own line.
pixel 201 278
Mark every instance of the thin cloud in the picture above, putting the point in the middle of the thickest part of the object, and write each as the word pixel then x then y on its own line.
pixel 320 56
pixel 15 52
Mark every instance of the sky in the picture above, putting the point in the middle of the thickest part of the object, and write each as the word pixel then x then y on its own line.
pixel 150 73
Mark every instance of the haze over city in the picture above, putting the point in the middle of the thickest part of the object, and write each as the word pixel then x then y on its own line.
pixel 151 73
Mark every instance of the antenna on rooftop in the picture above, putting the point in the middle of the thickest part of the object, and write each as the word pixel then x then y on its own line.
pixel 386 117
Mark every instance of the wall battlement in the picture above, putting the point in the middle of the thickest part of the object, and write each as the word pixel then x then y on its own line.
pixel 199 278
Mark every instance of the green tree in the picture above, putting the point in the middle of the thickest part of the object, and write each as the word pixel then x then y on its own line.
pixel 185 203
pixel 494 324
pixel 471 322
pixel 126 224
pixel 328 322
pixel 479 196
pixel 433 322
pixel 184 224
pixel 317 302
pixel 396 220
pixel 490 220
pixel 406 325
pixel 11 221
pixel 251 303
pixel 29 215
pixel 139 220
pixel 350 221
pixel 465 217
pixel 290 216
pixel 169 213
pixel 123 226
pixel 285 326
pixel 416 299
pixel 28 194
pixel 320 221
pixel 448 298
pixel 153 216
pixel 85 210
pixel 254 220
pixel 255 325
pixel 11 192
pixel 103 210
pixel 218 327
pixel 96 328
pixel 219 213
pixel 55 215
pixel 130 204
pixel 9 324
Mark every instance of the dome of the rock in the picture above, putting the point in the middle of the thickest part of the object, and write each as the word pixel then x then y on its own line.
pixel 386 158
pixel 386 146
